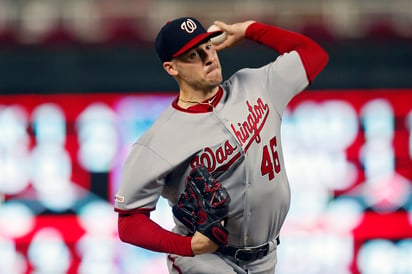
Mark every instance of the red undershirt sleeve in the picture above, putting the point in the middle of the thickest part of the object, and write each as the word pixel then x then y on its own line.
pixel 138 229
pixel 314 58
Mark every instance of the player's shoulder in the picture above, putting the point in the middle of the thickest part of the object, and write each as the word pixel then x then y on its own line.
pixel 251 71
pixel 157 127
pixel 247 75
pixel 256 74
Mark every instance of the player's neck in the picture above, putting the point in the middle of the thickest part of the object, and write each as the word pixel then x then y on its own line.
pixel 194 97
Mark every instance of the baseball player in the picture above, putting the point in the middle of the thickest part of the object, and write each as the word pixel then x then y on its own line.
pixel 216 153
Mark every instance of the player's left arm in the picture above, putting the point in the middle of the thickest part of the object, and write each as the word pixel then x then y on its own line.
pixel 313 56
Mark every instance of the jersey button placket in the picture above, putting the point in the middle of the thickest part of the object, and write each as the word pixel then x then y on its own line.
pixel 248 214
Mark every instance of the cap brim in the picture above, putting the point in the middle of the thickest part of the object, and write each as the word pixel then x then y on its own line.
pixel 197 40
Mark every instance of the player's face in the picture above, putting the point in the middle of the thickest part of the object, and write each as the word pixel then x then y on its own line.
pixel 200 67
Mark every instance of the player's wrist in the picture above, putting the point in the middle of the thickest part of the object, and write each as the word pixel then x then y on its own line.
pixel 247 24
pixel 201 244
pixel 253 29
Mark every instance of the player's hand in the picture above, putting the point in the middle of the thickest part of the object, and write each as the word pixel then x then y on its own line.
pixel 201 244
pixel 234 33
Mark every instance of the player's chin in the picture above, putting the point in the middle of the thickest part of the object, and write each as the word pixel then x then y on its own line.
pixel 215 82
pixel 215 77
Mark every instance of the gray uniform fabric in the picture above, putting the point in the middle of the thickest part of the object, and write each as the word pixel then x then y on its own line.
pixel 240 143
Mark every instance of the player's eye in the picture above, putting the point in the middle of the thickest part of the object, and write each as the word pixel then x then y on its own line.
pixel 192 55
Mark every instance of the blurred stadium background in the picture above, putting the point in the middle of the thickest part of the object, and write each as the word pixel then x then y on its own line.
pixel 80 81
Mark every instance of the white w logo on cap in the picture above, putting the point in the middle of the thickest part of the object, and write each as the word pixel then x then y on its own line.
pixel 189 26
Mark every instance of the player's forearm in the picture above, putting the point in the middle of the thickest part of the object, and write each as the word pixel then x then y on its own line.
pixel 313 56
pixel 138 229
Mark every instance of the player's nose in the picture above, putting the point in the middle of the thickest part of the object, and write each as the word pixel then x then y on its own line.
pixel 208 57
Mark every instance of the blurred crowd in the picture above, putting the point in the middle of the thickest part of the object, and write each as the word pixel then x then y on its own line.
pixel 137 21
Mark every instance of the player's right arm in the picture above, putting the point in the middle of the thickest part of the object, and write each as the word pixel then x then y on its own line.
pixel 139 230
pixel 137 197
pixel 201 244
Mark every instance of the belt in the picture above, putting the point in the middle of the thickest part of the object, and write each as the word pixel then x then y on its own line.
pixel 247 254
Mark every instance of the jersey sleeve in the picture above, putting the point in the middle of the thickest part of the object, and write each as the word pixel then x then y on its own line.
pixel 301 59
pixel 314 58
pixel 286 77
pixel 141 183
pixel 279 80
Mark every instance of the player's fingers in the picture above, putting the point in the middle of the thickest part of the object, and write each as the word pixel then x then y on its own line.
pixel 229 40
pixel 225 44
pixel 223 26
pixel 202 244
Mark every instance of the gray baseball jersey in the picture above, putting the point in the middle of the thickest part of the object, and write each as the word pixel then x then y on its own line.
pixel 239 141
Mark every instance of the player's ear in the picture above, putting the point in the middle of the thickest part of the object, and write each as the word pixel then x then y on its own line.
pixel 170 68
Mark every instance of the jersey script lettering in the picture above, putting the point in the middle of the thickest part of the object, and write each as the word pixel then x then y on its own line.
pixel 248 131
pixel 211 158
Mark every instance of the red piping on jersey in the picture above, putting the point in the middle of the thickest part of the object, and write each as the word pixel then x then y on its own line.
pixel 174 265
pixel 204 106
pixel 314 58
pixel 133 211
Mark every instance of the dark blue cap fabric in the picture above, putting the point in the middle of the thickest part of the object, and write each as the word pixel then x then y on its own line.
pixel 180 35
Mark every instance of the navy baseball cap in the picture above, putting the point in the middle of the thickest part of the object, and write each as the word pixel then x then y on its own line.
pixel 180 35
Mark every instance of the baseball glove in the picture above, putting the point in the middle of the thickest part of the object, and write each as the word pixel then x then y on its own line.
pixel 204 206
